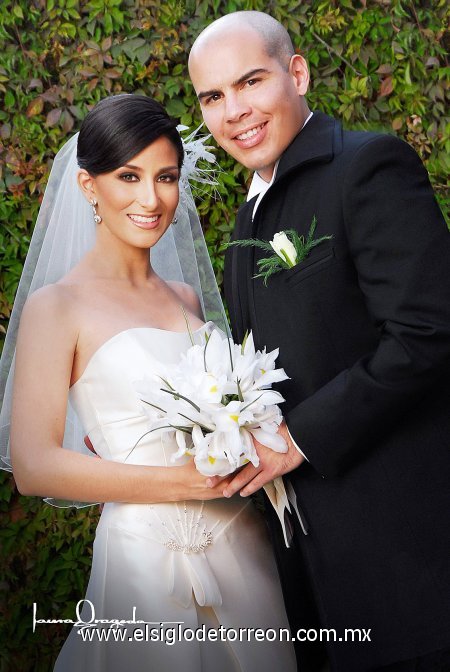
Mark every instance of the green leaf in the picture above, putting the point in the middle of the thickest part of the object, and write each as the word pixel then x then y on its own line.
pixel 108 23
pixel 175 107
pixel 143 53
pixel 9 99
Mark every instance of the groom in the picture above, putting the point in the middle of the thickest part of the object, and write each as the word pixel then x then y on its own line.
pixel 363 327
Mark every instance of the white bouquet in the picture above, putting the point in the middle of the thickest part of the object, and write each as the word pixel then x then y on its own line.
pixel 214 400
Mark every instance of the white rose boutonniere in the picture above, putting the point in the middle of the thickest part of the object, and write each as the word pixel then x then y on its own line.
pixel 284 248
pixel 290 250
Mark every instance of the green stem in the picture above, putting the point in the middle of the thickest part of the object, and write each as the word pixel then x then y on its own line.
pixel 286 258
pixel 177 395
pixel 186 319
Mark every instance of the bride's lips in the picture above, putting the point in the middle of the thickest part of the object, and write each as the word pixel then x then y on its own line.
pixel 251 136
pixel 145 221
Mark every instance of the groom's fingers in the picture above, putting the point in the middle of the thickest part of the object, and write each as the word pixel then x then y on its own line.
pixel 250 478
pixel 256 484
pixel 212 481
pixel 245 476
pixel 271 465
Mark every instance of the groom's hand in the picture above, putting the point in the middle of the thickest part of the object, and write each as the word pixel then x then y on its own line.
pixel 271 464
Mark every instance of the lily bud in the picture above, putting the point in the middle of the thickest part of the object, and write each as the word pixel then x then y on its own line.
pixel 284 248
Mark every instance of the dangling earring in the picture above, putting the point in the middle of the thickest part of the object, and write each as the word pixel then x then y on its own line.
pixel 174 220
pixel 97 218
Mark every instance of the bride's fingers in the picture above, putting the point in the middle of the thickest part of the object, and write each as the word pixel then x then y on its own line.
pixel 212 487
pixel 212 481
pixel 216 491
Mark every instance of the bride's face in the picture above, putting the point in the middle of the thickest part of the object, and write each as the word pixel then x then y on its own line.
pixel 137 201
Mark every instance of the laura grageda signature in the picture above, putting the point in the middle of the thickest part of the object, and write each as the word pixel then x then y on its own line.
pixel 88 620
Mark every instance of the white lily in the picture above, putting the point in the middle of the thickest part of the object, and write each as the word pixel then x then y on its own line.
pixel 191 399
pixel 210 458
pixel 270 439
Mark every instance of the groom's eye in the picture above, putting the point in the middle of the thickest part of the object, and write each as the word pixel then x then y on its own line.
pixel 252 82
pixel 213 98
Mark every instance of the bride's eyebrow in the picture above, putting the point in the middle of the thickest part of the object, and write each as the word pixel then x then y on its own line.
pixel 130 166
pixel 139 168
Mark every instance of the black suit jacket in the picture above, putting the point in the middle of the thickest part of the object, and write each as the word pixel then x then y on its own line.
pixel 363 327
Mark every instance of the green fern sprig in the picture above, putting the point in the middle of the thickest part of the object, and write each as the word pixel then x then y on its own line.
pixel 274 264
pixel 252 242
pixel 302 247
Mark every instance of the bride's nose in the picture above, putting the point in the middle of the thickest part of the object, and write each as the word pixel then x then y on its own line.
pixel 147 196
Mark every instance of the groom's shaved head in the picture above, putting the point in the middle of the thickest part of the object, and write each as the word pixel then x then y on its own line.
pixel 275 37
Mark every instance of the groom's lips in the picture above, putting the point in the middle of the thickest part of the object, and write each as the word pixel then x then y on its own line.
pixel 251 136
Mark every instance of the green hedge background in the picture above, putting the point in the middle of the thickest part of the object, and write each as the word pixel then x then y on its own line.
pixel 377 64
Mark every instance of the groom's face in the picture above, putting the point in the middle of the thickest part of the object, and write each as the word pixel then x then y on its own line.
pixel 250 101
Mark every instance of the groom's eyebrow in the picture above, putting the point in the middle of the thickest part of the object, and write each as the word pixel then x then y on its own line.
pixel 249 75
pixel 237 82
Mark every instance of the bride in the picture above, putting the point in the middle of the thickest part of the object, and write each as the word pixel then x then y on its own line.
pixel 169 551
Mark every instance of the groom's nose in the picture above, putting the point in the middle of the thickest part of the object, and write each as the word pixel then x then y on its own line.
pixel 236 106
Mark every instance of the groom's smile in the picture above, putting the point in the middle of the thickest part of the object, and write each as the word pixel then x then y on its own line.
pixel 251 137
pixel 251 102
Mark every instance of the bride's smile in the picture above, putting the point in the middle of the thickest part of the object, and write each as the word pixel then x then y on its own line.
pixel 137 201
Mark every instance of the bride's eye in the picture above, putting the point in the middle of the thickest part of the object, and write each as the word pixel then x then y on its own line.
pixel 128 177
pixel 168 177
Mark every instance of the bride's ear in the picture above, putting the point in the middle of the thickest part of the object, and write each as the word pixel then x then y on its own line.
pixel 86 183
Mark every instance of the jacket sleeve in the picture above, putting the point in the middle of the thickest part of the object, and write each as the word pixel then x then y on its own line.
pixel 400 246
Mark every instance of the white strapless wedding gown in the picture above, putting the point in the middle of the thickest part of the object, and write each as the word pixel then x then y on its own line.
pixel 190 563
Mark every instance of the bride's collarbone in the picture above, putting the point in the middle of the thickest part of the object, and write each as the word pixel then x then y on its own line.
pixel 98 329
pixel 103 310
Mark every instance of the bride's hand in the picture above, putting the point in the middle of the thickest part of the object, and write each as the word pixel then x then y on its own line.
pixel 191 484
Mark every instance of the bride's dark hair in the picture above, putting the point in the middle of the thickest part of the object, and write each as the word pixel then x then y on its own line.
pixel 118 128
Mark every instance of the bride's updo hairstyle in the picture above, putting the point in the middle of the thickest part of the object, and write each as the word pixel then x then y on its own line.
pixel 118 128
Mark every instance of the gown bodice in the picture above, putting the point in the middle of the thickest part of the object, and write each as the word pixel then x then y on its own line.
pixel 107 402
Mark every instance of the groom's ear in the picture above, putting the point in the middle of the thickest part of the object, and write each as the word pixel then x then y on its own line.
pixel 298 68
pixel 86 183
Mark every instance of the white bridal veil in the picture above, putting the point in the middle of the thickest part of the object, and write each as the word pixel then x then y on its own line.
pixel 65 231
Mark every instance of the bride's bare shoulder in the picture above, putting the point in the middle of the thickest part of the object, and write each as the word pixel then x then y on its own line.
pixel 64 297
pixel 53 306
pixel 188 296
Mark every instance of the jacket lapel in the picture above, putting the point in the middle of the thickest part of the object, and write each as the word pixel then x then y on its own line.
pixel 318 141
pixel 238 262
